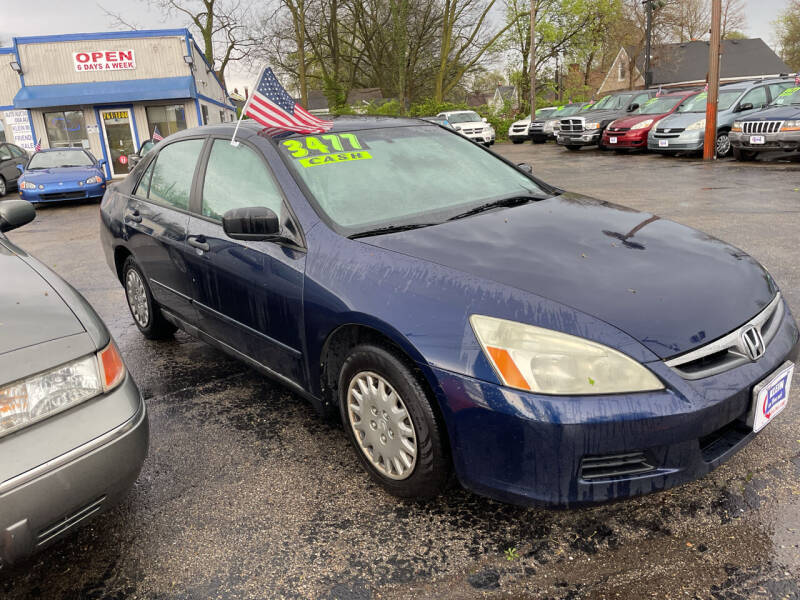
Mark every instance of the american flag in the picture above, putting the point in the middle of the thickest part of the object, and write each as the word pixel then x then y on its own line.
pixel 274 108
pixel 157 137
pixel 38 146
pixel 797 79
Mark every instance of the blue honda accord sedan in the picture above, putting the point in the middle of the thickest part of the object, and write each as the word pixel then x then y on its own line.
pixel 62 174
pixel 461 316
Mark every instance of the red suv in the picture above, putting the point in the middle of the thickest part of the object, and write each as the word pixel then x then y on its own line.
pixel 630 132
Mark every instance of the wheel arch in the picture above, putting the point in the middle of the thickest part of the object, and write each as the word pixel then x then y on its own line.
pixel 121 253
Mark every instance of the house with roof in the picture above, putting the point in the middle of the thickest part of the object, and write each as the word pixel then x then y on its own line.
pixel 685 64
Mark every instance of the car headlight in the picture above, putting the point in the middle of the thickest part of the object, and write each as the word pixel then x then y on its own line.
pixel 737 126
pixel 549 125
pixel 40 396
pixel 94 179
pixel 643 124
pixel 701 124
pixel 592 126
pixel 791 126
pixel 27 185
pixel 549 362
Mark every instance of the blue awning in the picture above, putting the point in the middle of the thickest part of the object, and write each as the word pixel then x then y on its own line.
pixel 104 92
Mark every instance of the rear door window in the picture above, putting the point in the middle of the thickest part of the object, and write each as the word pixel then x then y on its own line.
pixel 236 177
pixel 757 97
pixel 776 89
pixel 171 182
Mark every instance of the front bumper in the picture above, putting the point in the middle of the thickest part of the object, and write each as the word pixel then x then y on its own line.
pixel 685 141
pixel 787 141
pixel 481 138
pixel 584 138
pixel 533 449
pixel 626 139
pixel 59 193
pixel 43 504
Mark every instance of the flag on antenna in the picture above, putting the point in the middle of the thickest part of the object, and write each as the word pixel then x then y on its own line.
pixel 38 146
pixel 273 107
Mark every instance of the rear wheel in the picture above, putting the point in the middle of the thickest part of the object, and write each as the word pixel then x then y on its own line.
pixel 744 155
pixel 392 424
pixel 572 147
pixel 144 310
pixel 3 188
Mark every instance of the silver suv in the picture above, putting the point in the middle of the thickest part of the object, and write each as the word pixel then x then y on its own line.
pixel 684 130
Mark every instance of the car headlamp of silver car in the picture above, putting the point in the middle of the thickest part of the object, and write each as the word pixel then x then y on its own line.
pixel 544 361
pixel 37 397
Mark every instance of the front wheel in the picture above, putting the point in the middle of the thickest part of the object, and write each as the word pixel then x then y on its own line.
pixel 3 188
pixel 144 310
pixel 517 141
pixel 723 144
pixel 392 424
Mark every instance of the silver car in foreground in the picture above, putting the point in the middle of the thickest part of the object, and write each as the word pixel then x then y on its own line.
pixel 73 425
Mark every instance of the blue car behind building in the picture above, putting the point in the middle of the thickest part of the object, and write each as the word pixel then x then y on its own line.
pixel 62 174
pixel 456 312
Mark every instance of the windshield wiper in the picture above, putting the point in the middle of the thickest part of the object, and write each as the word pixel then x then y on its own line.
pixel 501 203
pixel 390 229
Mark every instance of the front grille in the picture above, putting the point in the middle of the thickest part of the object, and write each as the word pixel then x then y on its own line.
pixel 519 128
pixel 729 351
pixel 614 466
pixel 537 126
pixel 572 125
pixel 63 196
pixel 471 131
pixel 55 529
pixel 762 126
pixel 670 130
pixel 618 129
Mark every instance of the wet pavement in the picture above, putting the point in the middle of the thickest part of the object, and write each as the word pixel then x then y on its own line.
pixel 246 493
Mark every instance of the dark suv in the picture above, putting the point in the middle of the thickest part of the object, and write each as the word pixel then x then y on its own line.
pixel 586 128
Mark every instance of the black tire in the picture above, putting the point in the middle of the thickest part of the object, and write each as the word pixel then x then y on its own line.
pixel 155 326
pixel 744 155
pixel 572 147
pixel 3 187
pixel 723 135
pixel 431 471
pixel 539 141
pixel 517 141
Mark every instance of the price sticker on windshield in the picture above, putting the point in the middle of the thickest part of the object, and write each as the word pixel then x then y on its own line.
pixel 789 92
pixel 320 145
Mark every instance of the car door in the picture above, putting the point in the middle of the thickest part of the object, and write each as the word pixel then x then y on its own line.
pixel 20 159
pixel 8 166
pixel 757 97
pixel 156 219
pixel 248 294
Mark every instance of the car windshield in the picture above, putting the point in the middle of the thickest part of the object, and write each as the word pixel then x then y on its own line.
pixel 613 102
pixel 464 117
pixel 697 104
pixel 377 178
pixel 60 158
pixel 658 106
pixel 788 96
pixel 566 110
pixel 543 113
pixel 588 106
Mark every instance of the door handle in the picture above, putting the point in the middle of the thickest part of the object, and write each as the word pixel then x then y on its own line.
pixel 134 216
pixel 199 242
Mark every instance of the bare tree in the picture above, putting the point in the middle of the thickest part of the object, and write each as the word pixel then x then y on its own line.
pixel 733 17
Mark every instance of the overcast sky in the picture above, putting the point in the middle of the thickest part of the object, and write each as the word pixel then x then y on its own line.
pixel 37 17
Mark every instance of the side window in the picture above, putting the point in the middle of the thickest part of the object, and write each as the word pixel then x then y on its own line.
pixel 5 153
pixel 641 99
pixel 757 97
pixel 16 151
pixel 172 175
pixel 143 187
pixel 776 89
pixel 236 177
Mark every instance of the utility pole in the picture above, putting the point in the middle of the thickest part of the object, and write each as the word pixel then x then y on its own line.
pixel 710 143
pixel 532 60
pixel 648 75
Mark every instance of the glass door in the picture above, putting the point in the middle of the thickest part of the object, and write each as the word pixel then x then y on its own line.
pixel 118 128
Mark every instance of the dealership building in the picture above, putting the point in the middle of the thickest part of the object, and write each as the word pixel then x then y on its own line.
pixel 106 92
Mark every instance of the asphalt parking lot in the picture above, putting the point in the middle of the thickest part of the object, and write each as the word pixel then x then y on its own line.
pixel 246 493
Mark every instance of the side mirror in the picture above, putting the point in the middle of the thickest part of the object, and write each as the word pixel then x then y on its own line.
pixel 255 223
pixel 21 168
pixel 746 106
pixel 633 107
pixel 15 213
pixel 102 162
pixel 485 120
pixel 133 160
pixel 525 167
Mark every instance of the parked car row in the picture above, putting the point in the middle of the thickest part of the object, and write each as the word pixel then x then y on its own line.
pixel 753 116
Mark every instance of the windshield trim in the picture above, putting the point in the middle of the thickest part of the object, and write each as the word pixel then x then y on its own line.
pixel 348 232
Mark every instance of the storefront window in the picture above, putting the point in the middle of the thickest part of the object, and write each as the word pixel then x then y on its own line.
pixel 169 119
pixel 66 129
pixel 205 113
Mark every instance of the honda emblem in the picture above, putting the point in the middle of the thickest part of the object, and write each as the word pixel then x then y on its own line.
pixel 753 342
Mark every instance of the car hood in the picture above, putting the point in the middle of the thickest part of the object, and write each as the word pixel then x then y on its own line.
pixel 521 122
pixel 777 113
pixel 633 120
pixel 31 311
pixel 601 115
pixel 60 174
pixel 470 124
pixel 669 286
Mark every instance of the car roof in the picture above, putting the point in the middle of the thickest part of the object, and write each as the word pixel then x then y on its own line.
pixel 61 149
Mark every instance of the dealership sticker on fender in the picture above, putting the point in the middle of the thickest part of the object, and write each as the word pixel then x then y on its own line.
pixel 771 396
